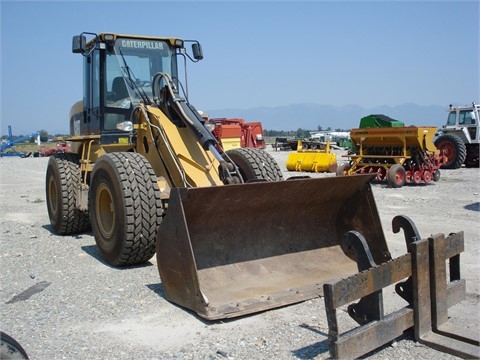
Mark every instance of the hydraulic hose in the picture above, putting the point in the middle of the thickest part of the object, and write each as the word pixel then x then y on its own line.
pixel 187 113
pixel 190 117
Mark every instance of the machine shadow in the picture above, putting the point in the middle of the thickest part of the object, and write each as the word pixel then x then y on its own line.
pixel 78 236
pixel 473 206
pixel 92 250
pixel 159 290
pixel 313 350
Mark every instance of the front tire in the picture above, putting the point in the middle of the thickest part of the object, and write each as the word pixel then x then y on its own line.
pixel 255 164
pixel 125 208
pixel 451 146
pixel 396 176
pixel 61 185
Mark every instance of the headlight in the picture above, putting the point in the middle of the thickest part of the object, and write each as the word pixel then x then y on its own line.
pixel 125 126
pixel 178 43
pixel 109 37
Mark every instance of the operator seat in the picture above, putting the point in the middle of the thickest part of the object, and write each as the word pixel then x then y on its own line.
pixel 119 89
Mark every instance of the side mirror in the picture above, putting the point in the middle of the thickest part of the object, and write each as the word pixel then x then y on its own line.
pixel 79 44
pixel 197 51
pixel 473 115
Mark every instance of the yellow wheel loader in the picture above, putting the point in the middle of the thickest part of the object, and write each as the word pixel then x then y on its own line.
pixel 232 237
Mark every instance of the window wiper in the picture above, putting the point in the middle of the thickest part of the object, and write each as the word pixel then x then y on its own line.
pixel 132 81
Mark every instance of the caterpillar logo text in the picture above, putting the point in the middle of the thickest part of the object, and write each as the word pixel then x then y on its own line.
pixel 153 45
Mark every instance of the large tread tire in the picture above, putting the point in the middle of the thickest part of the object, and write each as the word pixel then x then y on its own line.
pixel 61 185
pixel 255 164
pixel 472 159
pixel 396 176
pixel 125 208
pixel 451 146
pixel 10 348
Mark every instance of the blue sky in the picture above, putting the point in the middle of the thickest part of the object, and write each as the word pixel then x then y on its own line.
pixel 256 53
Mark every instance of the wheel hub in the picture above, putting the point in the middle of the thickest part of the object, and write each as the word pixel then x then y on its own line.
pixel 105 211
pixel 53 195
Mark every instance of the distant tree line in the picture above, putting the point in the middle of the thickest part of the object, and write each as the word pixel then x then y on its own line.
pixel 44 137
pixel 299 133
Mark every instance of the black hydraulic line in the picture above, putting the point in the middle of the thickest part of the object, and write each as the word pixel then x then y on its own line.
pixel 195 122
pixel 191 118
pixel 185 111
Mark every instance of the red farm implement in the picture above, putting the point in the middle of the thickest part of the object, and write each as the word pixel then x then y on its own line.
pixel 236 133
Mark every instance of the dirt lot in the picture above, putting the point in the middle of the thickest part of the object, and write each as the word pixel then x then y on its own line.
pixel 90 310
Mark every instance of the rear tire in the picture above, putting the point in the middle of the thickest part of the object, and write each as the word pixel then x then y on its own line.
pixel 396 176
pixel 255 164
pixel 451 146
pixel 10 348
pixel 61 185
pixel 125 208
pixel 472 158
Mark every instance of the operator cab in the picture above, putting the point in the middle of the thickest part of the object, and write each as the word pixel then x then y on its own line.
pixel 118 70
pixel 464 117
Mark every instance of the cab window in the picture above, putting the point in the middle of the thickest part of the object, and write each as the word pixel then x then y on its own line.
pixel 465 118
pixel 129 68
pixel 452 117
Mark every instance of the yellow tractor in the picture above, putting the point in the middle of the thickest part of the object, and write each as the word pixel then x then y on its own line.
pixel 145 172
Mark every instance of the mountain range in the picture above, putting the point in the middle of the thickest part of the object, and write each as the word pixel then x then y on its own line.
pixel 311 116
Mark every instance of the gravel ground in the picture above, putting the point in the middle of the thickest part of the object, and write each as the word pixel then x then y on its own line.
pixel 90 310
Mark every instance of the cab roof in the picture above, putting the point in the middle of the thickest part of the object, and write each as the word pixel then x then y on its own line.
pixel 177 42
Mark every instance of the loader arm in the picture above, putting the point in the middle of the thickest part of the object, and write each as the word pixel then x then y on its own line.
pixel 174 152
pixel 172 135
pixel 185 117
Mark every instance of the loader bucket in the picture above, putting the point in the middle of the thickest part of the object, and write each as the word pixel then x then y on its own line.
pixel 232 250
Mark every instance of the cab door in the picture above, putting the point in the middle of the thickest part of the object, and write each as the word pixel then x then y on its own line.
pixel 92 114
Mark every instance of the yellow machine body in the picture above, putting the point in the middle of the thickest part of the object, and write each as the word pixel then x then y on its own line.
pixel 399 155
pixel 403 137
pixel 384 147
pixel 311 160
